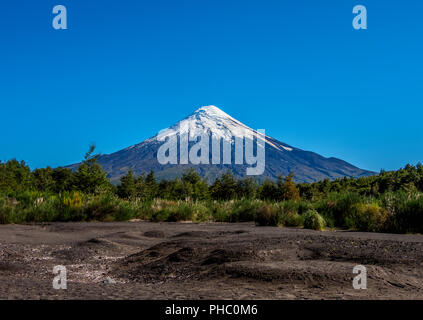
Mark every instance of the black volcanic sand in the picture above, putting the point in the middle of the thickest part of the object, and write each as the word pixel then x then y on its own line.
pixel 205 261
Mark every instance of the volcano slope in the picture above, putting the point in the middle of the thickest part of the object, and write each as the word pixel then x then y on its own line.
pixel 280 158
pixel 144 260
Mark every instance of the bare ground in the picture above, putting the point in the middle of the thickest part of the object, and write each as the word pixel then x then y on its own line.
pixel 205 261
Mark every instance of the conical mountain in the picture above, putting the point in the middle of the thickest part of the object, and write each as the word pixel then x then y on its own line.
pixel 280 158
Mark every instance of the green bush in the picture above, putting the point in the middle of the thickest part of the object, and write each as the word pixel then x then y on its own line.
pixel 6 211
pixel 289 213
pixel 313 220
pixel 202 212
pixel 406 215
pixel 304 206
pixel 70 206
pixel 126 211
pixel 101 208
pixel 144 209
pixel 367 217
pixel 337 208
pixel 160 215
pixel 243 210
pixel 289 207
pixel 44 211
pixel 181 211
pixel 267 215
pixel 292 219
pixel 218 211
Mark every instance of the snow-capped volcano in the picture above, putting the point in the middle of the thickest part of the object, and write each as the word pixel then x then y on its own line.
pixel 212 119
pixel 280 158
pixel 217 122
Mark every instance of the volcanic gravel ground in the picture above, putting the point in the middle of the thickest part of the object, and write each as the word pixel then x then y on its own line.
pixel 144 260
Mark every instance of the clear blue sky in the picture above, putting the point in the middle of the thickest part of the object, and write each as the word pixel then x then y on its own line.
pixel 126 69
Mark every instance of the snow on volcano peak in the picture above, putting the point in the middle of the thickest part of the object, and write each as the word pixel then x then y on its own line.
pixel 212 111
pixel 213 120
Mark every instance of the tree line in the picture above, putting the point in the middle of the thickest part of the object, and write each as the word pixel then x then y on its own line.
pixel 90 178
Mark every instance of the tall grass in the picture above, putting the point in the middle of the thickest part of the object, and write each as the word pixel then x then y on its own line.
pixel 392 212
pixel 404 212
pixel 338 208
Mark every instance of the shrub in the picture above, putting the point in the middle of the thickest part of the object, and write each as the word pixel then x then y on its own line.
pixel 407 214
pixel 181 212
pixel 6 211
pixel 174 211
pixel 43 211
pixel 144 209
pixel 367 217
pixel 288 213
pixel 73 200
pixel 291 219
pixel 103 207
pixel 338 207
pixel 313 220
pixel 126 211
pixel 304 206
pixel 289 207
pixel 267 215
pixel 202 212
pixel 27 199
pixel 243 210
pixel 160 215
pixel 218 211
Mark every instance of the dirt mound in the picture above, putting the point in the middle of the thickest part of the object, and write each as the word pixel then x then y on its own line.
pixel 193 234
pixel 367 251
pixel 90 249
pixel 99 244
pixel 229 233
pixel 200 260
pixel 182 255
pixel 128 236
pixel 161 262
pixel 6 267
pixel 180 259
pixel 221 256
pixel 208 234
pixel 59 227
pixel 311 274
pixel 154 234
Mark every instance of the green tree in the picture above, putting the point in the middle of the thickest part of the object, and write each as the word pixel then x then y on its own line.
pixel 197 187
pixel 140 187
pixel 247 188
pixel 306 191
pixel 90 176
pixel 15 177
pixel 225 187
pixel 151 187
pixel 43 179
pixel 268 190
pixel 288 188
pixel 63 180
pixel 127 189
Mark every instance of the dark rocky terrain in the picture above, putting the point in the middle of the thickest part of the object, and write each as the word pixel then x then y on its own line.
pixel 205 261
